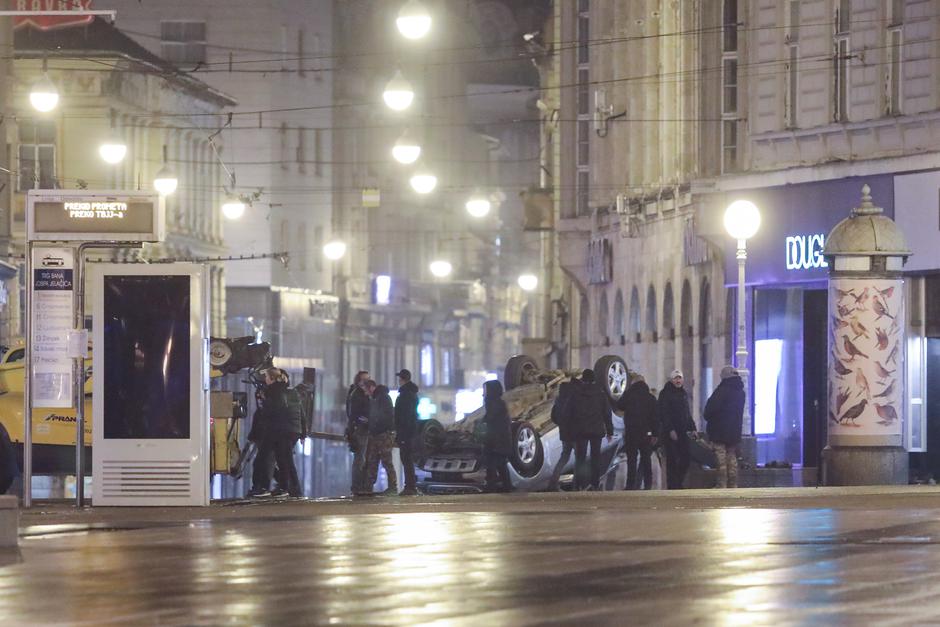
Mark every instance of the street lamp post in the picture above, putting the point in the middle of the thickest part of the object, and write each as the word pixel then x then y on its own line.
pixel 742 219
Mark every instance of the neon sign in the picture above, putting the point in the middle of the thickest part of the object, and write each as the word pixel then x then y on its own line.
pixel 804 252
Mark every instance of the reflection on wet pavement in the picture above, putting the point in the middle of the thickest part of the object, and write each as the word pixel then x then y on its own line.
pixel 511 562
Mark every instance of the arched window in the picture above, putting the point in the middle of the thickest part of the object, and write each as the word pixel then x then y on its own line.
pixel 669 313
pixel 651 317
pixel 636 330
pixel 583 315
pixel 602 315
pixel 704 310
pixel 685 311
pixel 619 331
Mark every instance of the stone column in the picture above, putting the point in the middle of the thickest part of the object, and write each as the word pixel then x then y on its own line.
pixel 867 326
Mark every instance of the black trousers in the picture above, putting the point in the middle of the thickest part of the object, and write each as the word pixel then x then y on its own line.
pixel 276 449
pixel 497 471
pixel 407 464
pixel 580 462
pixel 643 453
pixel 677 462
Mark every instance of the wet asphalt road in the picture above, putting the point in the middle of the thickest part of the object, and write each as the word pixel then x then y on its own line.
pixel 780 557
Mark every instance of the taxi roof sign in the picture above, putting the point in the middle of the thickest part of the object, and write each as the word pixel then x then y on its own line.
pixel 78 215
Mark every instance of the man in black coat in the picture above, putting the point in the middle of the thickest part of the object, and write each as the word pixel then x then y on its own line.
pixel 676 418
pixel 724 415
pixel 406 427
pixel 497 445
pixel 592 421
pixel 640 431
pixel 281 427
pixel 357 430
pixel 562 416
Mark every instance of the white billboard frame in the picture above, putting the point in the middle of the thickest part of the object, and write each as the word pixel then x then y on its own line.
pixel 156 232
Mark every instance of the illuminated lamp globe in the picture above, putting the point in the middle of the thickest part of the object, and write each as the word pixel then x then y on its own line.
pixel 44 96
pixel 414 21
pixel 335 250
pixel 233 208
pixel 113 150
pixel 441 269
pixel 479 207
pixel 742 219
pixel 528 282
pixel 406 150
pixel 423 182
pixel 398 94
pixel 165 182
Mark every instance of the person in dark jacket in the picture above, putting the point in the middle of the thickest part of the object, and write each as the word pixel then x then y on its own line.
pixel 562 416
pixel 357 429
pixel 406 428
pixel 381 437
pixel 592 421
pixel 640 431
pixel 280 431
pixel 724 415
pixel 675 416
pixel 497 445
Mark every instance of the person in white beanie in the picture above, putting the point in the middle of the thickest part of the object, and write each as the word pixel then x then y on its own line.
pixel 675 415
pixel 724 414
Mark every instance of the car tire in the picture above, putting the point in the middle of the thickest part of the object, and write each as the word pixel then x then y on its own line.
pixel 612 374
pixel 428 439
pixel 528 454
pixel 518 369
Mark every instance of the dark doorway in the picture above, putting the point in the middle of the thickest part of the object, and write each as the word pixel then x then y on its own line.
pixel 815 367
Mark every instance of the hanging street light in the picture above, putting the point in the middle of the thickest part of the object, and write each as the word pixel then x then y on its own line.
pixel 44 96
pixel 479 206
pixel 423 182
pixel 414 21
pixel 398 94
pixel 233 208
pixel 113 150
pixel 334 250
pixel 528 282
pixel 441 269
pixel 165 182
pixel 406 150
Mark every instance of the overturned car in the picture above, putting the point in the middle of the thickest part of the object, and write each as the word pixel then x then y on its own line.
pixel 451 458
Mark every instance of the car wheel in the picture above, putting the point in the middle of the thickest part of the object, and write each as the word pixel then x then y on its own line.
pixel 528 455
pixel 520 370
pixel 429 438
pixel 611 372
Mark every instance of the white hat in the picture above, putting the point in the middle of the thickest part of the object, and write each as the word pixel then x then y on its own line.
pixel 675 373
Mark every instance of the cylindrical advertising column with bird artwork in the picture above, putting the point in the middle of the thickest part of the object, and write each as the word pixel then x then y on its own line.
pixel 867 328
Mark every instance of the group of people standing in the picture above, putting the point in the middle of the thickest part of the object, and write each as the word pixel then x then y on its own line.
pixel 375 426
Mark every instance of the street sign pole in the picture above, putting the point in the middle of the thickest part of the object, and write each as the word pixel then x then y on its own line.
pixel 27 385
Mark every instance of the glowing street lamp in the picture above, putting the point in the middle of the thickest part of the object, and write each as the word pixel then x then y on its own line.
pixel 165 182
pixel 398 94
pixel 406 150
pixel 414 21
pixel 742 220
pixel 334 250
pixel 113 150
pixel 423 182
pixel 441 269
pixel 479 206
pixel 233 208
pixel 44 96
pixel 528 282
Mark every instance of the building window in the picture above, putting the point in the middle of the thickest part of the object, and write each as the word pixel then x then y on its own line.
pixel 843 16
pixel 729 145
pixel 793 88
pixel 729 79
pixel 427 365
pixel 584 110
pixel 301 71
pixel 897 12
pixel 446 366
pixel 183 41
pixel 584 101
pixel 36 155
pixel 840 101
pixel 317 247
pixel 302 246
pixel 583 184
pixel 282 136
pixel 301 152
pixel 793 21
pixel 893 73
pixel 285 236
pixel 318 151
pixel 584 33
pixel 584 143
pixel 730 22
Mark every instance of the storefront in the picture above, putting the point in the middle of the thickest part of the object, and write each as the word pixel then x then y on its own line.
pixel 787 303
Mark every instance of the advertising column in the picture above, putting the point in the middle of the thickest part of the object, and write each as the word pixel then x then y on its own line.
pixel 52 314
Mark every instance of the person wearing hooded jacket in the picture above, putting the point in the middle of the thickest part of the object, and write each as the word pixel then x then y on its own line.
pixel 592 421
pixel 406 427
pixel 675 416
pixel 497 443
pixel 381 438
pixel 357 429
pixel 724 415
pixel 640 431
pixel 562 416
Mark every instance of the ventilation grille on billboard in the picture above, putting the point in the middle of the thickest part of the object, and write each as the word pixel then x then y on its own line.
pixel 146 478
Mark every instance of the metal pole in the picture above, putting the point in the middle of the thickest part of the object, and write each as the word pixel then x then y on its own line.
pixel 27 387
pixel 741 353
pixel 78 283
